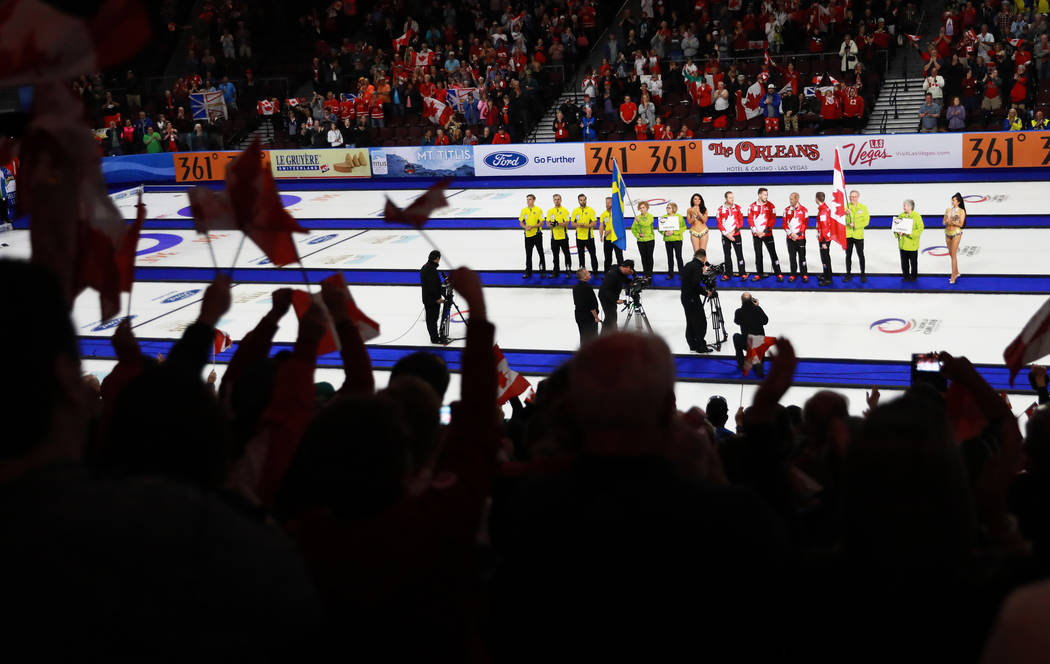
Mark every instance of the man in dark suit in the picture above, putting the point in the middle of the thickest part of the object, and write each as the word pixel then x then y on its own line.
pixel 430 281
pixel 609 292
pixel 586 306
pixel 693 293
pixel 751 320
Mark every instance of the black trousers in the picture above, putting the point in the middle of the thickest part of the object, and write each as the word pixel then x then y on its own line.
pixel 534 242
pixel 737 246
pixel 609 310
pixel 771 248
pixel 825 259
pixel 587 325
pixel 674 252
pixel 563 246
pixel 797 255
pixel 646 250
pixel 850 244
pixel 589 246
pixel 433 310
pixel 695 321
pixel 609 248
pixel 910 264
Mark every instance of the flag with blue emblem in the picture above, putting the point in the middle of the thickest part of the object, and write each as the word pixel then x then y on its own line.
pixel 208 106
pixel 618 235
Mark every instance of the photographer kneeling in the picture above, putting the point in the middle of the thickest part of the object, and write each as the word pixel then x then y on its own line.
pixel 609 292
pixel 697 284
pixel 751 320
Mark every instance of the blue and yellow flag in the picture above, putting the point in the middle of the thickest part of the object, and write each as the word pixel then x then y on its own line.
pixel 619 231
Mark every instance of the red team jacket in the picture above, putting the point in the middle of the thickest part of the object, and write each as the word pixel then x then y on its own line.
pixel 761 217
pixel 824 222
pixel 796 221
pixel 730 220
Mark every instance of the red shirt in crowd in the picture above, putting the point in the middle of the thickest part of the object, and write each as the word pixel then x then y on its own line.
pixel 377 109
pixel 829 108
pixel 853 106
pixel 761 217
pixel 662 132
pixel 628 110
pixel 501 137
pixel 560 132
pixel 796 221
pixel 641 132
pixel 361 105
pixel 346 109
pixel 730 220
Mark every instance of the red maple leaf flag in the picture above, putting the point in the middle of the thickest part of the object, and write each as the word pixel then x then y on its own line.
pixel 418 212
pixel 129 244
pixel 222 342
pixel 1031 344
pixel 257 207
pixel 1031 409
pixel 838 203
pixel 769 59
pixel 436 111
pixel 403 40
pixel 212 211
pixel 39 42
pixel 914 38
pixel 1016 43
pixel 752 105
pixel 757 345
pixel 368 328
pixel 509 383
pixel 301 301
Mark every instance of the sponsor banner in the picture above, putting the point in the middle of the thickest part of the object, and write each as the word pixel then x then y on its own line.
pixel 327 163
pixel 424 161
pixel 204 166
pixel 529 159
pixel 637 157
pixel 817 153
pixel 1007 149
pixel 138 169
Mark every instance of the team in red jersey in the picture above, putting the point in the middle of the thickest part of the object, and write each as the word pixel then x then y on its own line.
pixel 730 221
pixel 796 222
pixel 824 235
pixel 761 217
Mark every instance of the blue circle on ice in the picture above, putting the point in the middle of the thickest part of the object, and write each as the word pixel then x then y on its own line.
pixel 287 200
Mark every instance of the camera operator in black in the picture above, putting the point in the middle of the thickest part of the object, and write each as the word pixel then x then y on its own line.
pixel 586 306
pixel 430 280
pixel 609 292
pixel 694 290
pixel 751 320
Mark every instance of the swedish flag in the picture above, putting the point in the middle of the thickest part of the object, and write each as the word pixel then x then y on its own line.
pixel 619 231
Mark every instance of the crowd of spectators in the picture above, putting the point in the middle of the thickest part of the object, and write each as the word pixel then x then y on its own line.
pixel 988 68
pixel 267 517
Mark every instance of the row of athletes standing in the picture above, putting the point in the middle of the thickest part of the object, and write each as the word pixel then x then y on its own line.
pixel 761 219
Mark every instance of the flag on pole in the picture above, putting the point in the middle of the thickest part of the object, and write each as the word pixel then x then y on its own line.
pixel 222 341
pixel 208 106
pixel 128 249
pixel 1031 344
pixel 618 234
pixel 914 38
pixel 1016 43
pixel 509 383
pixel 301 301
pixel 368 328
pixel 418 212
pixel 257 207
pixel 838 204
pixel 752 103
pixel 402 41
pixel 1031 409
pixel 437 112
pixel 757 345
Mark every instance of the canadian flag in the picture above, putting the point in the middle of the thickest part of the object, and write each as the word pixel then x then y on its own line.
pixel 971 35
pixel 1031 409
pixel 838 203
pixel 418 212
pixel 757 345
pixel 403 40
pixel 752 104
pixel 436 111
pixel 329 343
pixel 1016 43
pixel 914 38
pixel 368 328
pixel 222 341
pixel 509 383
pixel 1032 344
pixel 292 102
pixel 768 59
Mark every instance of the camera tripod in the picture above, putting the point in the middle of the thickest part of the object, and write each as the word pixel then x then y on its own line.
pixel 718 323
pixel 633 307
pixel 446 314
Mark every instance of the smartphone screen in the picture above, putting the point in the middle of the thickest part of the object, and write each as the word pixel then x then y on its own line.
pixel 446 414
pixel 929 369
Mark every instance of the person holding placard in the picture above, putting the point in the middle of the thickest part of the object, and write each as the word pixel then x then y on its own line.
pixel 907 226
pixel 760 217
pixel 604 228
pixel 954 220
pixel 730 221
pixel 696 215
pixel 796 222
pixel 672 226
pixel 584 221
pixel 642 229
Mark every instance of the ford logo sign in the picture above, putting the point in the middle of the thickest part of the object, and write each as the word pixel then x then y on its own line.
pixel 506 160
pixel 180 296
pixel 323 238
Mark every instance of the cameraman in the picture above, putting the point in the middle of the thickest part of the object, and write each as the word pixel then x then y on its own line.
pixel 609 292
pixel 430 281
pixel 694 289
pixel 751 320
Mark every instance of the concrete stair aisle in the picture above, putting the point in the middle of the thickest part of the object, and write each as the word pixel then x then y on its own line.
pixel 897 107
pixel 543 132
pixel 264 132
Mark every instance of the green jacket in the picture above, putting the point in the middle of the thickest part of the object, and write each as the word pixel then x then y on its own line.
pixel 856 220
pixel 152 142
pixel 642 227
pixel 911 242
pixel 677 235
